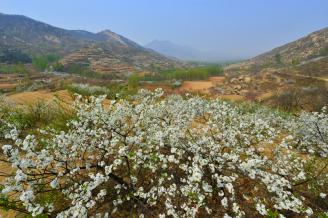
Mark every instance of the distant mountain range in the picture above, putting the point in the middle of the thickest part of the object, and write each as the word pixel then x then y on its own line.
pixel 181 52
pixel 103 52
pixel 171 49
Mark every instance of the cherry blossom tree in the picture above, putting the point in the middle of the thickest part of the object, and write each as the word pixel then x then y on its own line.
pixel 174 156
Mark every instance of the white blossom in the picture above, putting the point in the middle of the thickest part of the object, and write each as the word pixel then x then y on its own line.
pixel 177 156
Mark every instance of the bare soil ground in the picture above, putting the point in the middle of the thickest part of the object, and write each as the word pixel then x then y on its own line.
pixel 7 85
pixel 217 79
pixel 24 98
pixel 200 86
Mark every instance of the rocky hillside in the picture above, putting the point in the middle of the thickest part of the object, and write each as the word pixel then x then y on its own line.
pixel 303 50
pixel 317 67
pixel 105 51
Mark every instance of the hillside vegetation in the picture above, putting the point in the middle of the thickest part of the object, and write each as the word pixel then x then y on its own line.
pixel 196 73
pixel 307 48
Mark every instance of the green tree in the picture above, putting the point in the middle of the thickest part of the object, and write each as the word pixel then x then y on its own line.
pixel 51 58
pixel 41 63
pixel 323 51
pixel 21 68
pixel 133 82
pixel 58 67
pixel 13 56
pixel 296 61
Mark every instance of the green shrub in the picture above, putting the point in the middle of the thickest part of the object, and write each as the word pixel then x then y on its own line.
pixel 133 82
pixel 16 68
pixel 14 56
pixel 35 115
pixel 40 63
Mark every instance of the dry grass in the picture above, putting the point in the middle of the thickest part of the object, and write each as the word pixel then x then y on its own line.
pixel 6 168
pixel 265 96
pixel 232 97
pixel 10 214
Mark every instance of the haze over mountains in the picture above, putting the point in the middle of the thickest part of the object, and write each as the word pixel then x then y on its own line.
pixel 104 51
pixel 308 47
pixel 187 53
pixel 171 49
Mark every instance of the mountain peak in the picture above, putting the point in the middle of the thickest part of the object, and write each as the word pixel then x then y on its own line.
pixel 106 31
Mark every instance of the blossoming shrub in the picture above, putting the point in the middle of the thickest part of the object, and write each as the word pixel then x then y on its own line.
pixel 170 156
pixel 86 89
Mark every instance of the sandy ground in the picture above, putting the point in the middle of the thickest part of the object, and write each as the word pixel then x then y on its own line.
pixel 43 95
pixel 201 86
pixel 7 85
pixel 216 79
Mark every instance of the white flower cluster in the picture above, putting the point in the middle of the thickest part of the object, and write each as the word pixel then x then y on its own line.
pixel 312 129
pixel 161 156
pixel 92 90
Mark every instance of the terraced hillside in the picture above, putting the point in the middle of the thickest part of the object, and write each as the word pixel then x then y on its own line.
pixel 115 52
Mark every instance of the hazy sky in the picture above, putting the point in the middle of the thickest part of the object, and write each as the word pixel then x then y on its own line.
pixel 230 28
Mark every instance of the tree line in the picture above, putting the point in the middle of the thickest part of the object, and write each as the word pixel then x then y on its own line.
pixel 197 73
